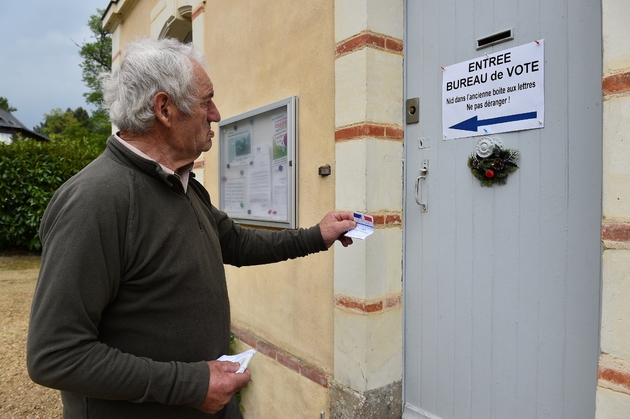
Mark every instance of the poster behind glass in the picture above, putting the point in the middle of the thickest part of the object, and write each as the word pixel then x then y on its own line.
pixel 257 162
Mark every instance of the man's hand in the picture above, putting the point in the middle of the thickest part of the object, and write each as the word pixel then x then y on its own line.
pixel 334 225
pixel 223 384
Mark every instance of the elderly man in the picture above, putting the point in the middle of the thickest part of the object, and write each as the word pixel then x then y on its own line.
pixel 131 308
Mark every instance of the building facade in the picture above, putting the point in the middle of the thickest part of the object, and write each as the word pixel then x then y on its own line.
pixel 330 329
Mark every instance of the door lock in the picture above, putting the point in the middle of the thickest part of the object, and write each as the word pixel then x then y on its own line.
pixel 413 110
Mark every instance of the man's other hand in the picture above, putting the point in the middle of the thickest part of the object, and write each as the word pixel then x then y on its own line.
pixel 224 382
pixel 334 225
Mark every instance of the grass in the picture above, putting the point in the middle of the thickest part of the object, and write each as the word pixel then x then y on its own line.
pixel 19 396
pixel 19 262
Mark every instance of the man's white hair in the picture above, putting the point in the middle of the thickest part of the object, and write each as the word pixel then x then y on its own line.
pixel 150 66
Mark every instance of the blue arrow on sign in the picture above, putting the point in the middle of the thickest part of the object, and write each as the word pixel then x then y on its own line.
pixel 473 123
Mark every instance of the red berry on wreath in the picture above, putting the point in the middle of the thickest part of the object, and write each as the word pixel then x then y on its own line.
pixel 489 173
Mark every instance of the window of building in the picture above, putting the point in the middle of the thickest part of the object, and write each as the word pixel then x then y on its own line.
pixel 179 26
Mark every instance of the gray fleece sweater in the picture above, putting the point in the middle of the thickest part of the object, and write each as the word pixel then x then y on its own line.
pixel 131 299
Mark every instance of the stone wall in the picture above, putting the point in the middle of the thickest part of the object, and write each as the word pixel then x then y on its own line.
pixel 613 394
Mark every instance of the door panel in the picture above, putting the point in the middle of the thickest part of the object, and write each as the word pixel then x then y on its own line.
pixel 502 284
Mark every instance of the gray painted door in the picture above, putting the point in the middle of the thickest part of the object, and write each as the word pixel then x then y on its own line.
pixel 502 284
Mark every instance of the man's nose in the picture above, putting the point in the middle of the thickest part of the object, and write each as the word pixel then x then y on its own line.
pixel 213 113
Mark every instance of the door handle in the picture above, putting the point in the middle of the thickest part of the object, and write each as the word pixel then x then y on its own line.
pixel 420 200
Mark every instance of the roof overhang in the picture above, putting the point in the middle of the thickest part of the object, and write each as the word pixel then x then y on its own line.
pixel 116 12
pixel 9 124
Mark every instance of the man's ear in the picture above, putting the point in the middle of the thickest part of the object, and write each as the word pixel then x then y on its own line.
pixel 163 108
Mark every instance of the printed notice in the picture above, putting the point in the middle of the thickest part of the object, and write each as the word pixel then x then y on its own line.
pixel 259 183
pixel 234 195
pixel 364 228
pixel 280 189
pixel 499 92
pixel 279 206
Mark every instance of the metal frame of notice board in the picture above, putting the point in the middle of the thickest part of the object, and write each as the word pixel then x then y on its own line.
pixel 258 167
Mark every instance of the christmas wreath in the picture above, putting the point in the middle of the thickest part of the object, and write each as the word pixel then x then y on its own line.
pixel 491 163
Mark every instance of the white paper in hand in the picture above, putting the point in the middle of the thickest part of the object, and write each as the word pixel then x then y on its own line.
pixel 365 226
pixel 243 359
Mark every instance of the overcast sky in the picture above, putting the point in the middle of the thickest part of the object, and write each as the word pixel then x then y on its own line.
pixel 39 62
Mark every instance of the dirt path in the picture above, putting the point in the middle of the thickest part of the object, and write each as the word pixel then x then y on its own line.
pixel 19 396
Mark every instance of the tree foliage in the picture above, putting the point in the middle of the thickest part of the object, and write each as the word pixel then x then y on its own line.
pixel 78 124
pixel 97 58
pixel 4 104
pixel 74 125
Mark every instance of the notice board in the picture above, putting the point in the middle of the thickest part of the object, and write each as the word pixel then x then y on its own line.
pixel 257 165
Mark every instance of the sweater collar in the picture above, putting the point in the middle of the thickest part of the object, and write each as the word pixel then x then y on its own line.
pixel 137 158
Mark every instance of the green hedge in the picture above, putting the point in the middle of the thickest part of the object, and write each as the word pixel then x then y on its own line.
pixel 30 172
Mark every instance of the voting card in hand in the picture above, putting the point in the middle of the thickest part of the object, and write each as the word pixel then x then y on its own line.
pixel 365 226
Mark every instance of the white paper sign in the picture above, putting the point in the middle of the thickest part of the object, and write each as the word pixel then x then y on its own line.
pixel 259 183
pixel 234 195
pixel 279 179
pixel 499 92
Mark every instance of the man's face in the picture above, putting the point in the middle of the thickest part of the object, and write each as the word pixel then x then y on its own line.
pixel 192 133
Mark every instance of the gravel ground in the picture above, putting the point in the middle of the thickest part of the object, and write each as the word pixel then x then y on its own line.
pixel 19 396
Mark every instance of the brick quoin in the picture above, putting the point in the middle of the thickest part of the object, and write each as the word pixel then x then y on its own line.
pixel 366 306
pixel 393 219
pixel 394 132
pixel 613 376
pixel 369 39
pixel 360 41
pixel 617 232
pixel 393 301
pixel 387 220
pixel 615 84
pixel 118 54
pixel 199 10
pixel 394 45
pixel 379 219
pixel 358 304
pixel 369 130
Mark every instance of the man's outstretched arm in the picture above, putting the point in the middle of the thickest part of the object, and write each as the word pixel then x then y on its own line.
pixel 334 225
